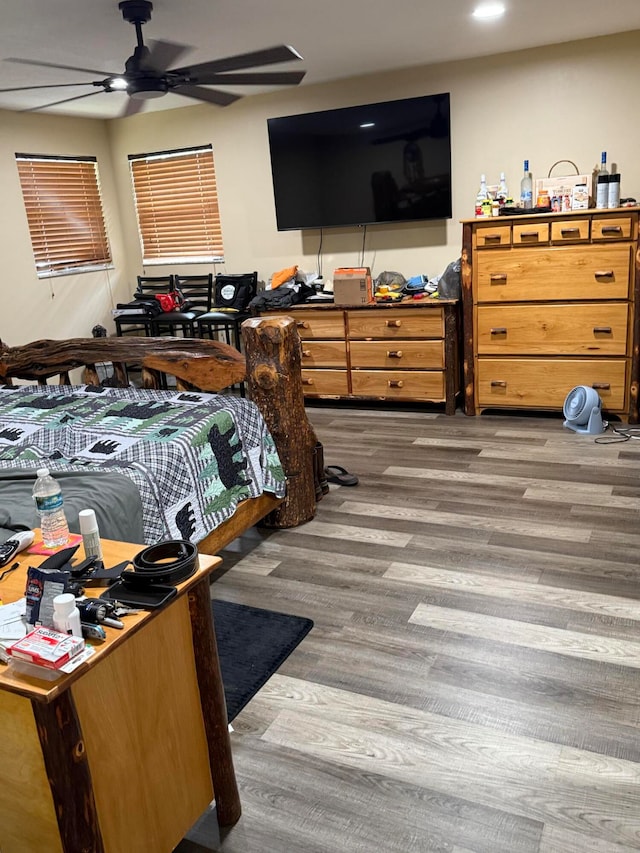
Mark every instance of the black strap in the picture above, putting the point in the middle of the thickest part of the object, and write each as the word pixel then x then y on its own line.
pixel 168 562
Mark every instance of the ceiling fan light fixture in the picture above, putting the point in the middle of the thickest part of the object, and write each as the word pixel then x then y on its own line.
pixel 118 84
pixel 487 11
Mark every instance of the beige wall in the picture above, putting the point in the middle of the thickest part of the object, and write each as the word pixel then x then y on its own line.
pixel 567 101
pixel 65 306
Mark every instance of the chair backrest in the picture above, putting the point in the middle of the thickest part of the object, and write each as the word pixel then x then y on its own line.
pixel 235 291
pixel 197 290
pixel 152 284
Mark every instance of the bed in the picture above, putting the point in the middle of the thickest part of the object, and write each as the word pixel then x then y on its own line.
pixel 161 462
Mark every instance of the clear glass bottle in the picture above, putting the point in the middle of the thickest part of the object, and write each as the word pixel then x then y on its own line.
pixel 503 192
pixel 482 195
pixel 47 495
pixel 526 188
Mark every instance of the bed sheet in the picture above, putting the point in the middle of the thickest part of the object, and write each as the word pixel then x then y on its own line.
pixel 193 456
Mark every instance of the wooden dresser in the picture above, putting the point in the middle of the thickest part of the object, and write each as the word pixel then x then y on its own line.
pixel 404 351
pixel 549 303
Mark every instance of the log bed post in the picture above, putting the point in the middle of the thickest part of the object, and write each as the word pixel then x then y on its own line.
pixel 274 357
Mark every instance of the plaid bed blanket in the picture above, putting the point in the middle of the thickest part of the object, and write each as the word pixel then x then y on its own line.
pixel 193 456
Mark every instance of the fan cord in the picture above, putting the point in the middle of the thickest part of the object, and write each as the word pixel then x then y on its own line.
pixel 619 434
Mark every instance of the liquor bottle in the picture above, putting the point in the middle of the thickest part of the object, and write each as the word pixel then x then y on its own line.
pixel 613 197
pixel 526 188
pixel 482 195
pixel 503 192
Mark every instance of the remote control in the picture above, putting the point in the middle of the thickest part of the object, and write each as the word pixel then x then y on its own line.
pixel 17 542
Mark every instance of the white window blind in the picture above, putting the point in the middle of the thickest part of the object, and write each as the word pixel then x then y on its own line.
pixel 64 212
pixel 177 206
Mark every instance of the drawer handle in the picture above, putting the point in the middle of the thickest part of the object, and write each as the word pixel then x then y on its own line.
pixel 492 238
pixel 498 276
pixel 499 330
pixel 395 383
pixel 307 381
pixel 529 235
pixel 568 231
pixel 498 383
pixel 302 324
pixel 611 229
pixel 602 386
pixel 394 324
pixel 394 353
pixel 602 330
pixel 603 274
pixel 306 353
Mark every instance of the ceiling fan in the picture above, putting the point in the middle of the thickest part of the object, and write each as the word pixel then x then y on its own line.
pixel 148 73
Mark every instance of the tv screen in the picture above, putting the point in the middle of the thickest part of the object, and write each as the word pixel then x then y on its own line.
pixel 386 162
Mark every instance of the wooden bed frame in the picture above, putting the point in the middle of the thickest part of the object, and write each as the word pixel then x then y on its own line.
pixel 271 369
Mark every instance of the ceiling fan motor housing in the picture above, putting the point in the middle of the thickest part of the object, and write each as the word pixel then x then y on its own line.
pixel 136 11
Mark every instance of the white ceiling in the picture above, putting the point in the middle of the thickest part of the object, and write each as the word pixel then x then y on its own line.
pixel 337 38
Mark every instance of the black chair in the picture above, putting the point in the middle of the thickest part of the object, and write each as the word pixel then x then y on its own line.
pixel 148 287
pixel 198 292
pixel 231 297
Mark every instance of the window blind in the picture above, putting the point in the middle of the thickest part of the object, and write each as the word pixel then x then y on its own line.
pixel 64 213
pixel 177 206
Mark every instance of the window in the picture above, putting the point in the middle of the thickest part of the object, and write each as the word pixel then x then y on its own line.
pixel 64 212
pixel 177 206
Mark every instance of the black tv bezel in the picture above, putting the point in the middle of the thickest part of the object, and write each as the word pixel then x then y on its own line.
pixel 353 107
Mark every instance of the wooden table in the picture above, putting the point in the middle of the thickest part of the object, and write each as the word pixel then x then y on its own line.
pixel 128 751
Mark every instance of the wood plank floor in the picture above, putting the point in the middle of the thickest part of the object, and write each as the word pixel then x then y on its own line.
pixel 472 682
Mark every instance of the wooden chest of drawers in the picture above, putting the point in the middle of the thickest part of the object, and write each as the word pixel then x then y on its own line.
pixel 406 352
pixel 549 303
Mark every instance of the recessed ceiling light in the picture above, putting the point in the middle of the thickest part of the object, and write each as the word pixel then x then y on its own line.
pixel 489 10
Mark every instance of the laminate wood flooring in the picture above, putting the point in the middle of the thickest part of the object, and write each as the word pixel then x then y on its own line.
pixel 472 682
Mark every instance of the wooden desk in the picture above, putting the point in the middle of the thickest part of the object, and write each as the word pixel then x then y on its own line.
pixel 126 753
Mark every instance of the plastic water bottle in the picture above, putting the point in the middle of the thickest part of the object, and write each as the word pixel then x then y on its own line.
pixel 48 497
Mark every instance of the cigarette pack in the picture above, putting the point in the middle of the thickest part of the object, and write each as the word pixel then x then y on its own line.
pixel 46 647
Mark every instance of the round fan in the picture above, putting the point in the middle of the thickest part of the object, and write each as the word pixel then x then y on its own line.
pixel 148 72
pixel 583 410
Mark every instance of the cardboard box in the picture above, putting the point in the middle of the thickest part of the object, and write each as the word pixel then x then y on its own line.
pixel 352 286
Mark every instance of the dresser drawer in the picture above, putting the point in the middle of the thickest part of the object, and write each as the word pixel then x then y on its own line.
pixel 332 383
pixel 611 228
pixel 545 382
pixel 319 324
pixel 324 354
pixel 410 323
pixel 554 273
pixel 570 231
pixel 396 384
pixel 489 236
pixel 398 354
pixel 530 233
pixel 574 329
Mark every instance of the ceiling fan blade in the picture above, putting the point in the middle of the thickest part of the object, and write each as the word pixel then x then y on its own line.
pixel 66 67
pixel 55 103
pixel 134 105
pixel 255 78
pixel 163 53
pixel 212 96
pixel 269 56
pixel 46 86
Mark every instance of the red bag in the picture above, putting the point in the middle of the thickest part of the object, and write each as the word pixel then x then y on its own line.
pixel 172 301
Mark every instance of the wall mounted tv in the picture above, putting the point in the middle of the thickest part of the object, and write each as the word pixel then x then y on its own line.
pixel 386 162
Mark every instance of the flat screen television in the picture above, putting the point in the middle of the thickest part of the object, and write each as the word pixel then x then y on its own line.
pixel 386 162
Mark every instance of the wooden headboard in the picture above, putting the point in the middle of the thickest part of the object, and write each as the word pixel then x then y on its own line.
pixel 272 369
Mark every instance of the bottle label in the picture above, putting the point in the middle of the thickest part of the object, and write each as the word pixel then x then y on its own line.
pixel 49 503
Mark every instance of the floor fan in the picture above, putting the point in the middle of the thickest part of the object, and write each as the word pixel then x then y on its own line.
pixel 583 411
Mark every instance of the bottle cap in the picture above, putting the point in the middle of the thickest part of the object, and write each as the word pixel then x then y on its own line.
pixel 42 472
pixel 64 603
pixel 88 523
pixel 526 165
